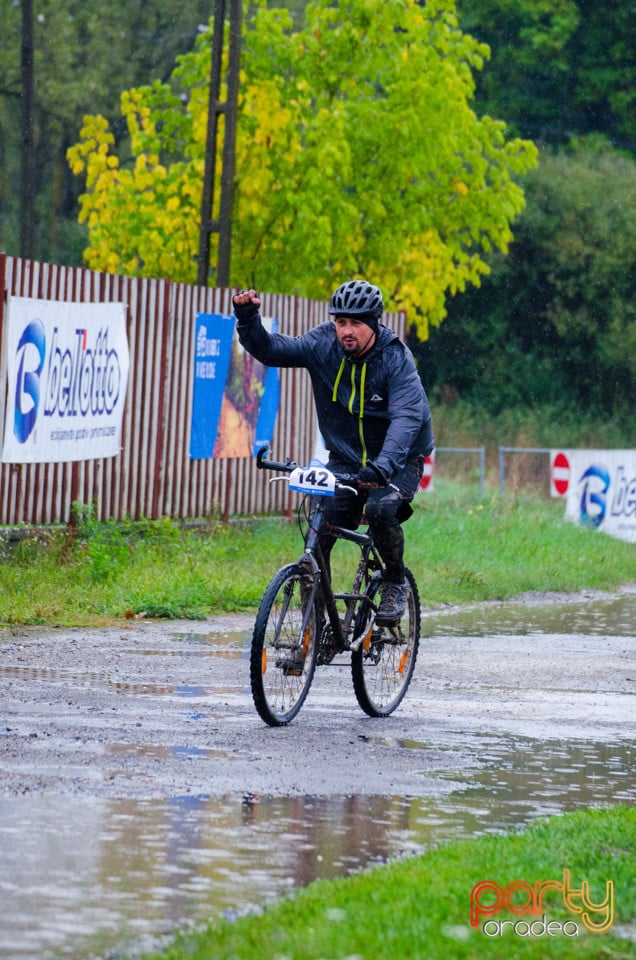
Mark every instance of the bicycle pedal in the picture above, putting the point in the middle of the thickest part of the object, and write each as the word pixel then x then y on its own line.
pixel 291 668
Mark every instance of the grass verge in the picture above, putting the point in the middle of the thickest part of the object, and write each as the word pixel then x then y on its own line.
pixel 420 908
pixel 460 551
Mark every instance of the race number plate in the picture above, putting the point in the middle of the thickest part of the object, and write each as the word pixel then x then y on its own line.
pixel 316 480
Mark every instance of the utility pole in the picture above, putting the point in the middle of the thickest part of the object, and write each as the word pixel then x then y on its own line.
pixel 27 175
pixel 221 224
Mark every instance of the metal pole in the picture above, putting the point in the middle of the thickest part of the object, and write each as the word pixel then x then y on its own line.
pixel 223 224
pixel 504 450
pixel 210 144
pixel 482 461
pixel 229 146
pixel 27 185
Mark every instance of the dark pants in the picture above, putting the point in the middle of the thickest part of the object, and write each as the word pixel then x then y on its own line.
pixel 385 508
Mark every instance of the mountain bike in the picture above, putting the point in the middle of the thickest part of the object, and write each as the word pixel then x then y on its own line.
pixel 301 623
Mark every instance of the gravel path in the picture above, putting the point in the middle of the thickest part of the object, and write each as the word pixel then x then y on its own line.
pixel 114 712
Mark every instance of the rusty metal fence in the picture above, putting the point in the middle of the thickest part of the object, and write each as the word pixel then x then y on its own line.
pixel 153 476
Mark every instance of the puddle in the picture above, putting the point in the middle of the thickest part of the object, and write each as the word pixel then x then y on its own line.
pixel 92 876
pixel 155 752
pixel 84 876
pixel 613 614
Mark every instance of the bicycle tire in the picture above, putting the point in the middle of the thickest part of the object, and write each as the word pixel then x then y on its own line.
pixel 382 666
pixel 283 655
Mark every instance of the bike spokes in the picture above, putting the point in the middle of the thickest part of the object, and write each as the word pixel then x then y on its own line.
pixel 384 657
pixel 284 646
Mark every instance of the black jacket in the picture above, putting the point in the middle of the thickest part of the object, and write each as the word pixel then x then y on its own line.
pixel 369 409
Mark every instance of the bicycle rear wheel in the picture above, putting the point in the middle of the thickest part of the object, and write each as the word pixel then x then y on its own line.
pixel 383 664
pixel 284 646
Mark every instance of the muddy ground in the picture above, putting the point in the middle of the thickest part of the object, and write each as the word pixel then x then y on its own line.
pixel 157 710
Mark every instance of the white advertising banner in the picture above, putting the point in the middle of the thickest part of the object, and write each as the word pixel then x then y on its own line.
pixel 599 487
pixel 67 373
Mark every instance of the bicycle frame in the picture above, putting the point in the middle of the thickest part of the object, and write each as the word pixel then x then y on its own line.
pixel 313 555
pixel 314 558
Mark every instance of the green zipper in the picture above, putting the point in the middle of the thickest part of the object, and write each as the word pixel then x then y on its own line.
pixel 334 397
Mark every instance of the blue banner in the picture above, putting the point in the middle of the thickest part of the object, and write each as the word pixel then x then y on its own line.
pixel 269 410
pixel 235 400
pixel 212 355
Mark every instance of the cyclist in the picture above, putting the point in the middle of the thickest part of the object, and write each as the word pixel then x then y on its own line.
pixel 372 412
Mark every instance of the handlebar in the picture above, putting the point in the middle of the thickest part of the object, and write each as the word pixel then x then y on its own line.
pixel 264 464
pixel 343 480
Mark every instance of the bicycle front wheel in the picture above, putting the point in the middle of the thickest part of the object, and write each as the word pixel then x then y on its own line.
pixel 382 665
pixel 284 646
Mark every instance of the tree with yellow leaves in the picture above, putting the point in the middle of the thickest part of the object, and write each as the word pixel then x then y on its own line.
pixel 358 154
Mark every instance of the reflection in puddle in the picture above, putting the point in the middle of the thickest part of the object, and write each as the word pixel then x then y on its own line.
pixel 528 778
pixel 613 614
pixel 229 646
pixel 156 752
pixel 82 875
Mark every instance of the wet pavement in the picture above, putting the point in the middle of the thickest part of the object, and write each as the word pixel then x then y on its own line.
pixel 139 791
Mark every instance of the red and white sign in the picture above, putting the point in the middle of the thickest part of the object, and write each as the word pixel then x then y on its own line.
pixel 559 473
pixel 426 483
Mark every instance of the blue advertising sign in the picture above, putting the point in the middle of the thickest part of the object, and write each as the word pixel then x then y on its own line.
pixel 235 400
pixel 269 410
pixel 212 355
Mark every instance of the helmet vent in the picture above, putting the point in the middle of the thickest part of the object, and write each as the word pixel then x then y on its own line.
pixel 357 298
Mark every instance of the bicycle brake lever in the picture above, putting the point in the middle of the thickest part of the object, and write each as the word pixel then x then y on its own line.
pixel 344 486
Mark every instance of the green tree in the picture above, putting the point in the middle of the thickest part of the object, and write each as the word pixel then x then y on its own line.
pixel 560 68
pixel 358 153
pixel 84 55
pixel 603 54
pixel 555 324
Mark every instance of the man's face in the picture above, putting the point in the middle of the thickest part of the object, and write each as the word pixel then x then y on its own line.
pixel 355 336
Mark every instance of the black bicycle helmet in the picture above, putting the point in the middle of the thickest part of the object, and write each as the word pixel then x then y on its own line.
pixel 357 298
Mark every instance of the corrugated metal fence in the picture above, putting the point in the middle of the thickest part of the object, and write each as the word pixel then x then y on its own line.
pixel 153 476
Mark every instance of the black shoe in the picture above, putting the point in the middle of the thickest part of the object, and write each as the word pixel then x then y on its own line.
pixel 393 603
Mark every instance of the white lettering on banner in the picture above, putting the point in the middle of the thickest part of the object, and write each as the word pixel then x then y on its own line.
pixel 602 491
pixel 67 372
pixel 205 370
pixel 207 347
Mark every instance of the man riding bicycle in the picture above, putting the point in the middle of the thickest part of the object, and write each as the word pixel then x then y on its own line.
pixel 372 412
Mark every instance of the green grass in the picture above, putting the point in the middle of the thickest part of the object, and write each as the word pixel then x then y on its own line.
pixel 460 551
pixel 463 551
pixel 420 908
